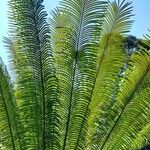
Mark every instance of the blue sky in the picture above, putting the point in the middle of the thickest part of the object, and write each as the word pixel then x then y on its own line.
pixel 140 26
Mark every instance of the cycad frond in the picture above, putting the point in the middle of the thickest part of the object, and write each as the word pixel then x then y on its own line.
pixel 74 86
pixel 117 19
pixel 75 36
pixel 131 109
pixel 105 86
pixel 36 82
pixel 9 134
pixel 142 138
pixel 110 61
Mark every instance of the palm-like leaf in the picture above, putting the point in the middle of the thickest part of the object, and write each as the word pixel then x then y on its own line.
pixel 111 59
pixel 10 136
pixel 129 104
pixel 74 86
pixel 75 26
pixel 36 82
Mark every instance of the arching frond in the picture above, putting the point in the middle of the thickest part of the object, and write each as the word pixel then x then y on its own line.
pixel 117 19
pixel 105 86
pixel 36 82
pixel 111 59
pixel 131 110
pixel 75 35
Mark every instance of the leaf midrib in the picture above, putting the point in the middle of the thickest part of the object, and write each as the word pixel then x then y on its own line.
pixel 8 119
pixel 74 70
pixel 42 81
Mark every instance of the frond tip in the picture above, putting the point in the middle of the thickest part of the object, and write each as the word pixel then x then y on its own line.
pixel 118 17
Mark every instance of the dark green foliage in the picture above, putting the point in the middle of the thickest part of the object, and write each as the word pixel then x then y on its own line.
pixel 147 147
pixel 131 44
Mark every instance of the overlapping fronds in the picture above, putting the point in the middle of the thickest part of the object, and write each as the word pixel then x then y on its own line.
pixel 74 86
pixel 36 82
pixel 109 64
pixel 75 34
pixel 106 85
pixel 130 112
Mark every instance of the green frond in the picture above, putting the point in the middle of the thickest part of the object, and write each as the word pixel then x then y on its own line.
pixel 17 57
pixel 9 123
pixel 142 138
pixel 112 117
pixel 36 83
pixel 22 76
pixel 105 87
pixel 131 109
pixel 64 59
pixel 110 61
pixel 117 17
pixel 75 34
